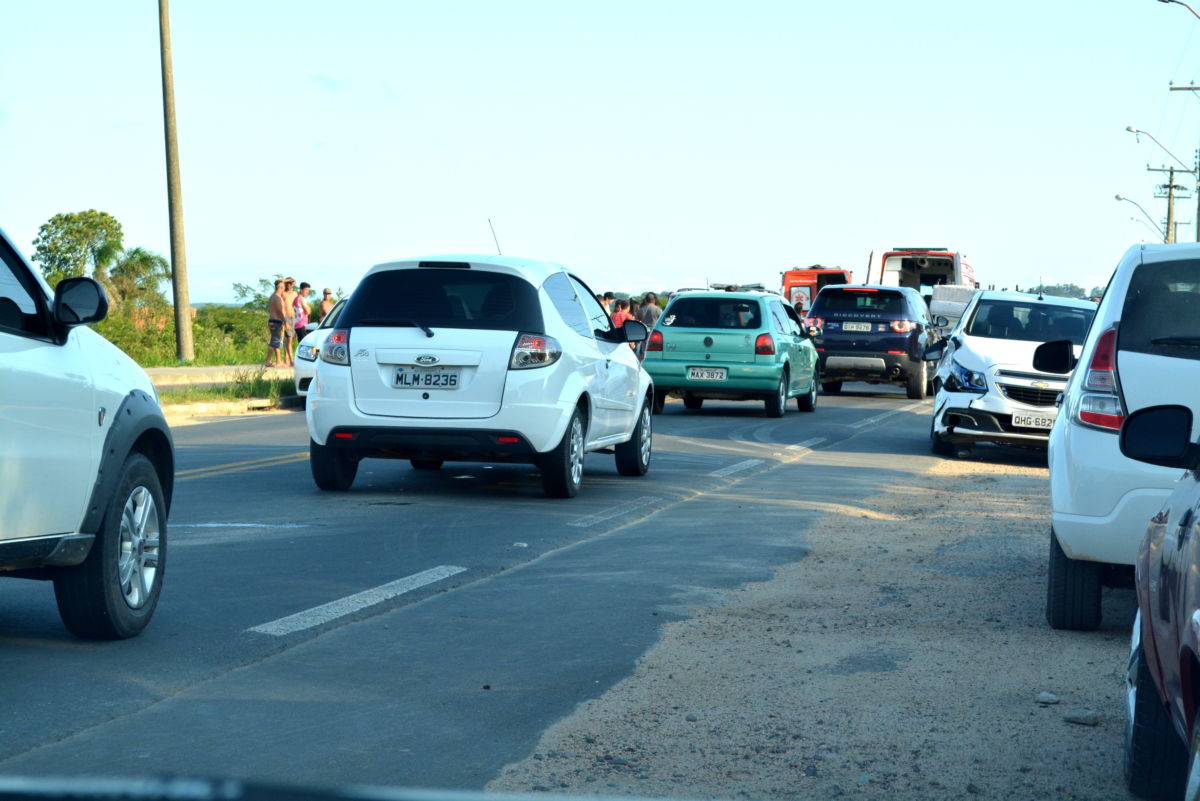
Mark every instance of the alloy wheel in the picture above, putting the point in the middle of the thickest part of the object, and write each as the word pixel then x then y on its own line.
pixel 137 556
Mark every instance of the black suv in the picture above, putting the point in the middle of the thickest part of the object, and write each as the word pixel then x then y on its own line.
pixel 873 333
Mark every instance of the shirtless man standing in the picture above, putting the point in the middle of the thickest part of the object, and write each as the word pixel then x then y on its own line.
pixel 289 321
pixel 275 309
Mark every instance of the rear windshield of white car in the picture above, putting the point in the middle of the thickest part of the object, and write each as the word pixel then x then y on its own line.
pixel 1033 321
pixel 860 301
pixel 713 313
pixel 444 298
pixel 1161 315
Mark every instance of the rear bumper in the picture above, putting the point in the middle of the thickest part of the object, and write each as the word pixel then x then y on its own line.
pixel 875 366
pixel 742 381
pixel 446 444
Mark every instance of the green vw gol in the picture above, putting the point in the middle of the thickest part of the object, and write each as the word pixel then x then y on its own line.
pixel 732 346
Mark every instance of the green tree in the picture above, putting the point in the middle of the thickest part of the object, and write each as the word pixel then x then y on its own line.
pixel 76 243
pixel 137 276
pixel 1097 292
pixel 1059 290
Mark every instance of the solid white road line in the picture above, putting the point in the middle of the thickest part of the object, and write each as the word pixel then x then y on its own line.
pixel 737 468
pixel 877 418
pixel 615 511
pixel 808 444
pixel 353 603
pixel 241 525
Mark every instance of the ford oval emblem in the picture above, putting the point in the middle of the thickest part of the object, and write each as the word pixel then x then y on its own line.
pixel 428 359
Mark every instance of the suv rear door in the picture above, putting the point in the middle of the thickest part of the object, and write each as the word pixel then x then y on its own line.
pixel 860 319
pixel 434 341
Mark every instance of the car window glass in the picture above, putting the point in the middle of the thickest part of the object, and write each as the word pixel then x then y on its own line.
pixel 1028 321
pixel 780 318
pixel 19 312
pixel 598 318
pixel 713 313
pixel 862 301
pixel 334 313
pixel 445 298
pixel 1161 309
pixel 562 294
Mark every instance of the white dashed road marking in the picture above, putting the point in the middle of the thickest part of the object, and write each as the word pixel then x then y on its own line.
pixel 615 511
pixel 737 468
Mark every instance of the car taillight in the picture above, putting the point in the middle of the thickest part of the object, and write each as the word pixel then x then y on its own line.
pixel 1100 374
pixel 764 345
pixel 1102 411
pixel 337 347
pixel 903 326
pixel 815 322
pixel 655 342
pixel 534 350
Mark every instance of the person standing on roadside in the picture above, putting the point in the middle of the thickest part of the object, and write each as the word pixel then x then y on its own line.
pixel 648 314
pixel 302 310
pixel 608 302
pixel 289 321
pixel 622 314
pixel 275 326
pixel 327 304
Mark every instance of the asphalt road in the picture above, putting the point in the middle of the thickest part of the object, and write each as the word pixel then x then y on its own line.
pixel 495 611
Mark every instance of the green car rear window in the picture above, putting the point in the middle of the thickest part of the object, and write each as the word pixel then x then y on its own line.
pixel 713 313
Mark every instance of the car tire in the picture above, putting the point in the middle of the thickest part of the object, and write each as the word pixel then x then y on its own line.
pixel 660 401
pixel 633 457
pixel 808 401
pixel 918 382
pixel 426 464
pixel 112 594
pixel 831 387
pixel 333 469
pixel 937 443
pixel 777 404
pixel 1192 775
pixel 1072 591
pixel 692 403
pixel 1156 761
pixel 562 467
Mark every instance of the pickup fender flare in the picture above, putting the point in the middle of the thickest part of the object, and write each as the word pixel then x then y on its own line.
pixel 138 425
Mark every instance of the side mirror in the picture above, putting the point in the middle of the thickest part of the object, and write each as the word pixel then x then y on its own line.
pixel 935 351
pixel 635 331
pixel 1160 435
pixel 79 301
pixel 1055 357
pixel 941 321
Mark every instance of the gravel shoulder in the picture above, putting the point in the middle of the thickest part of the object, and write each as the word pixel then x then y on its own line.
pixel 902 659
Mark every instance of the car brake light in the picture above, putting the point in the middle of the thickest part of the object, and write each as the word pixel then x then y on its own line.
pixel 815 322
pixel 508 440
pixel 343 435
pixel 764 345
pixel 1100 376
pixel 337 347
pixel 655 342
pixel 903 326
pixel 534 350
pixel 1102 411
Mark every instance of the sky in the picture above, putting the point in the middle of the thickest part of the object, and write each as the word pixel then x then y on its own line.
pixel 645 145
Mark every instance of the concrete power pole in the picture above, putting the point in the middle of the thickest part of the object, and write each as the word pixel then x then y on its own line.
pixel 1196 170
pixel 184 349
pixel 1168 191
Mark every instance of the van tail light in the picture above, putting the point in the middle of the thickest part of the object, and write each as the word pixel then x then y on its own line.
pixel 655 342
pixel 1099 405
pixel 815 322
pixel 534 350
pixel 336 349
pixel 764 345
pixel 903 326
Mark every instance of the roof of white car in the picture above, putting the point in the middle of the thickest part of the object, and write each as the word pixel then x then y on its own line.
pixel 1025 297
pixel 532 270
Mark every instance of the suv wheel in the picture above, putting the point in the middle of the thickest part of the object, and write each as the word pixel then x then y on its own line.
pixel 112 594
pixel 808 402
pixel 692 403
pixel 1155 757
pixel 332 468
pixel 777 403
pixel 1072 591
pixel 633 457
pixel 918 383
pixel 562 468
pixel 937 443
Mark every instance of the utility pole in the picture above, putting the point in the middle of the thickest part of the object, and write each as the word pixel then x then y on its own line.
pixel 184 349
pixel 1196 171
pixel 1168 191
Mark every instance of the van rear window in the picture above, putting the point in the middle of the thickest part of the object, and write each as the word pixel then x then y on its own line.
pixel 1162 310
pixel 877 301
pixel 713 313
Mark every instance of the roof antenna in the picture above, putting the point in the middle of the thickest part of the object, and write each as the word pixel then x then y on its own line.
pixel 1041 288
pixel 494 239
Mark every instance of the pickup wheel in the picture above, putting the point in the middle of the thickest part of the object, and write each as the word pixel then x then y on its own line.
pixel 112 594
pixel 633 457
pixel 562 467
pixel 333 469
pixel 1156 760
pixel 1072 591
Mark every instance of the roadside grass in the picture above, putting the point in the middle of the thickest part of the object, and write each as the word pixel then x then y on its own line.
pixel 221 335
pixel 246 384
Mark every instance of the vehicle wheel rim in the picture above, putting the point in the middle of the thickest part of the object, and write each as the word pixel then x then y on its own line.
pixel 783 391
pixel 138 554
pixel 644 445
pixel 576 452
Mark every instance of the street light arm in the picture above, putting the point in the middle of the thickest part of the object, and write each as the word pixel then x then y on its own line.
pixel 1185 5
pixel 1139 133
pixel 1157 227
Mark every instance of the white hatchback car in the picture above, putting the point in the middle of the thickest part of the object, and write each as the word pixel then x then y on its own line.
pixel 481 359
pixel 309 349
pixel 1143 349
pixel 87 463
pixel 986 387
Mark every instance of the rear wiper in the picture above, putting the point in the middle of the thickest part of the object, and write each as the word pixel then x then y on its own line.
pixel 1187 342
pixel 395 321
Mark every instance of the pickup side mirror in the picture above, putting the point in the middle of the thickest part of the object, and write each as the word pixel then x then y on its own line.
pixel 1055 357
pixel 79 301
pixel 1161 435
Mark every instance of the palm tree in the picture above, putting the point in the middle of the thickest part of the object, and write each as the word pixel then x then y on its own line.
pixel 136 277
